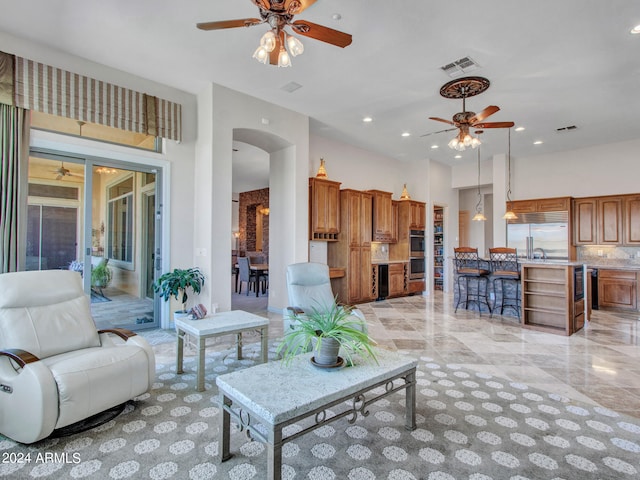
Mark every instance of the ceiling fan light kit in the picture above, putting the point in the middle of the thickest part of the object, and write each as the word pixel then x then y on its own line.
pixel 278 46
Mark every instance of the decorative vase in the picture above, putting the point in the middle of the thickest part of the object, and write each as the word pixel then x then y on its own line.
pixel 327 354
pixel 322 172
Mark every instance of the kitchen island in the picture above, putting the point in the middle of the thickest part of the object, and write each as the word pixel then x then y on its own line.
pixel 553 296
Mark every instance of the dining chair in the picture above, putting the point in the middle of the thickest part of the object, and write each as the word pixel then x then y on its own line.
pixel 505 268
pixel 245 275
pixel 468 268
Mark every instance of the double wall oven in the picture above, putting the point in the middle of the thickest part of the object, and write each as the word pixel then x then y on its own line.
pixel 416 254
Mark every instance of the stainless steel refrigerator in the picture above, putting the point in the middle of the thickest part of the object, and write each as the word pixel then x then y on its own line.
pixel 540 235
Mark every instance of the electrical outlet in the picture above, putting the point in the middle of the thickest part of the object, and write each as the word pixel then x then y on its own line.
pixel 600 253
pixel 201 252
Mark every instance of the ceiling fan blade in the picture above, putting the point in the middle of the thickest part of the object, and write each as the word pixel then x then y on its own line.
pixel 304 4
pixel 478 117
pixel 242 22
pixel 319 32
pixel 437 119
pixel 494 125
pixel 439 131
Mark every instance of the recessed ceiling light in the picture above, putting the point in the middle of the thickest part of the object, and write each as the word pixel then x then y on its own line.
pixel 367 119
pixel 434 146
pixel 336 16
pixel 538 142
pixel 458 156
pixel 635 30
pixel 406 134
pixel 519 129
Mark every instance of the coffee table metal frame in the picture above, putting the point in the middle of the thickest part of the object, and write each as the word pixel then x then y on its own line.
pixel 224 323
pixel 235 403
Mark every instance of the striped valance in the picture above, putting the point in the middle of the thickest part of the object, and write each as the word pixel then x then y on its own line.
pixel 47 89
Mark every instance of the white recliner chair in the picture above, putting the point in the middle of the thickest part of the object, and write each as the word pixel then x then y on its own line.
pixel 55 367
pixel 309 287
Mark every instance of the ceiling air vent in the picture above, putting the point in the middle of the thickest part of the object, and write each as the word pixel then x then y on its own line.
pixel 460 67
pixel 566 129
pixel 291 87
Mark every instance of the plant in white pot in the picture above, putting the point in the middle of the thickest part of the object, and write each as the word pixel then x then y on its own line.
pixel 177 284
pixel 328 331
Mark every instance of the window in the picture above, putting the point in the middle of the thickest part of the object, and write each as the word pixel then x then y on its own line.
pixel 69 126
pixel 120 215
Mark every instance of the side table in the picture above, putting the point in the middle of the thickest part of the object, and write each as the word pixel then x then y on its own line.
pixel 224 323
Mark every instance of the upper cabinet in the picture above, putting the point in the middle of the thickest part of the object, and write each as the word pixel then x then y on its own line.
pixel 324 209
pixel 599 221
pixel 382 225
pixel 632 220
pixel 558 204
pixel 394 221
pixel 417 216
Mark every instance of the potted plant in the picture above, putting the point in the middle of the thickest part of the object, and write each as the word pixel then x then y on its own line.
pixel 101 274
pixel 327 330
pixel 177 283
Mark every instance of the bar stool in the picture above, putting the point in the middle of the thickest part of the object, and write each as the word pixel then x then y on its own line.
pixel 505 268
pixel 468 267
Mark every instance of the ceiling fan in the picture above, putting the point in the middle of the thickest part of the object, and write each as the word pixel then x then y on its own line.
pixel 61 172
pixel 463 121
pixel 277 45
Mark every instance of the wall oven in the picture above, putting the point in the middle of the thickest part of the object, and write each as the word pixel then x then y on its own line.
pixel 416 243
pixel 416 268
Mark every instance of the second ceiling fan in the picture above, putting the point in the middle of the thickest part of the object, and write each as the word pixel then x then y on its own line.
pixel 465 120
pixel 277 46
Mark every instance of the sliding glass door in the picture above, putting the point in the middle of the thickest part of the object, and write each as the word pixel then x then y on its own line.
pixel 99 218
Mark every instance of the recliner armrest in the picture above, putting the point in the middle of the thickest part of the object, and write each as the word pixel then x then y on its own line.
pixel 123 333
pixel 21 357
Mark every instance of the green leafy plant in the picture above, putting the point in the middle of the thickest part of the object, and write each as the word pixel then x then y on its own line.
pixel 322 323
pixel 177 283
pixel 101 275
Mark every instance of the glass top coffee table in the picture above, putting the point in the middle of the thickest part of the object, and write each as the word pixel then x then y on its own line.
pixel 266 398
pixel 218 324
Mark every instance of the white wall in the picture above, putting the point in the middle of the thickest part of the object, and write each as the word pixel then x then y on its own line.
pixel 603 170
pixel 222 110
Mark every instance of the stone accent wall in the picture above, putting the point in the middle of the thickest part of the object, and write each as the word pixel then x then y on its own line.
pixel 247 216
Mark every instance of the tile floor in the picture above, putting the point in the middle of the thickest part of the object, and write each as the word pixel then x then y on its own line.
pixel 598 365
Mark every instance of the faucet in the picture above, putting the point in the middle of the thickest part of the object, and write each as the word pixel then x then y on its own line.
pixel 543 254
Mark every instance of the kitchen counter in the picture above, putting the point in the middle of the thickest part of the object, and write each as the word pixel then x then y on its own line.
pixel 387 262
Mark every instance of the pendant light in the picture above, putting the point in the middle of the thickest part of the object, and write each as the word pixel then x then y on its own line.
pixel 479 216
pixel 510 214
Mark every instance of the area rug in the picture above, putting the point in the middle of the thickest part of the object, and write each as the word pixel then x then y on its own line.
pixel 470 426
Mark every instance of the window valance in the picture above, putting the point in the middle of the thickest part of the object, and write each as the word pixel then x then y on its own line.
pixel 36 86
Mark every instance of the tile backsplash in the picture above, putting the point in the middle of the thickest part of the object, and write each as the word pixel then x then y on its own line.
pixel 379 252
pixel 605 255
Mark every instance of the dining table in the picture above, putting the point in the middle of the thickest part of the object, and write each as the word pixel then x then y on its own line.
pixel 260 269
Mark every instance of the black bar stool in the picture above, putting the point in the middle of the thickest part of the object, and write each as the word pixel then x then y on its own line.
pixel 468 267
pixel 505 268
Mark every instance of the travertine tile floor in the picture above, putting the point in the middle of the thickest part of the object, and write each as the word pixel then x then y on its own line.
pixel 598 365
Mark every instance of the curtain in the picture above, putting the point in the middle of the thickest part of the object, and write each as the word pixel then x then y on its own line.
pixel 14 148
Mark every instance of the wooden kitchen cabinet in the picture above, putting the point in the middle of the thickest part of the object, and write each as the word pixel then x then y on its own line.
pixel 417 215
pixel 598 221
pixel 632 220
pixel 353 248
pixel 394 221
pixel 610 221
pixel 324 210
pixel 382 216
pixel 584 221
pixel 617 289
pixel 398 279
pixel 555 204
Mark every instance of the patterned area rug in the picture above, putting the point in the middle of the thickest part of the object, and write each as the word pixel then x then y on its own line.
pixel 470 426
